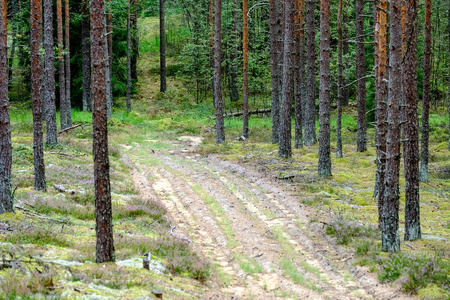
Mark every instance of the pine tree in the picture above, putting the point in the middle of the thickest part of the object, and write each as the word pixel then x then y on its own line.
pixel 340 83
pixel 361 139
pixel 128 57
pixel 68 71
pixel 299 73
pixel 309 115
pixel 220 126
pixel 86 48
pixel 245 71
pixel 162 47
pixel 103 207
pixel 62 71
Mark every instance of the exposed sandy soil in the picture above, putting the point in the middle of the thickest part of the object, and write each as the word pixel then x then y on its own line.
pixel 251 228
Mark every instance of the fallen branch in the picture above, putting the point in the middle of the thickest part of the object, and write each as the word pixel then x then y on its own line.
pixel 32 214
pixel 70 128
pixel 62 189
pixel 177 237
pixel 285 177
pixel 62 154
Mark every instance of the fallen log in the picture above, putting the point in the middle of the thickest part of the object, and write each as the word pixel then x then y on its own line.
pixel 70 128
pixel 62 189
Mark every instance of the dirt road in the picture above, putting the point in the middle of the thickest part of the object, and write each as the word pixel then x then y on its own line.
pixel 259 238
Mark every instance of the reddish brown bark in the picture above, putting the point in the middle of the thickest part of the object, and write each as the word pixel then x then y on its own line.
pixel 411 124
pixel 6 200
pixel 38 139
pixel 245 54
pixel 103 208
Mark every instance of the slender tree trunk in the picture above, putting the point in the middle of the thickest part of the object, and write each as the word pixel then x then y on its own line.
pixel 108 50
pixel 361 139
pixel 103 207
pixel 411 125
pixel 390 234
pixel 234 92
pixel 310 103
pixel 62 71
pixel 285 147
pixel 86 47
pixel 245 54
pixel 423 175
pixel 6 200
pixel 220 126
pixel 14 41
pixel 298 81
pixel 211 47
pixel 346 50
pixel 49 76
pixel 38 145
pixel 381 93
pixel 134 42
pixel 128 58
pixel 448 29
pixel 275 31
pixel 68 72
pixel 340 84
pixel 162 49
pixel 324 94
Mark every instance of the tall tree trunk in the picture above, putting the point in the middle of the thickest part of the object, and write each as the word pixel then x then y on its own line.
pixel 285 147
pixel 68 72
pixel 128 58
pixel 49 76
pixel 298 80
pixel 14 41
pixel 423 176
pixel 38 145
pixel 234 92
pixel 448 29
pixel 310 103
pixel 346 50
pixel 390 235
pixel 162 49
pixel 103 207
pixel 220 126
pixel 245 54
pixel 86 47
pixel 134 42
pixel 275 32
pixel 6 200
pixel 361 139
pixel 62 71
pixel 324 94
pixel 340 83
pixel 411 125
pixel 381 93
pixel 108 51
pixel 211 48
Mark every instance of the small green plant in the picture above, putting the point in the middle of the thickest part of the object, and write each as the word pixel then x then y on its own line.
pixel 345 231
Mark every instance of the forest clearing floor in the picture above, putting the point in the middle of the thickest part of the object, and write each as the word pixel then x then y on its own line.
pixel 258 235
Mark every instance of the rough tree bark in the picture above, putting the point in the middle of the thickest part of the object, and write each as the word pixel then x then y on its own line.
pixel 62 71
pixel 234 92
pixel 245 54
pixel 346 50
pixel 448 29
pixel 285 147
pixel 134 42
pixel 49 76
pixel 6 200
pixel 128 58
pixel 38 145
pixel 275 32
pixel 298 80
pixel 67 61
pixel 86 48
pixel 390 234
pixel 162 46
pixel 310 103
pixel 340 83
pixel 411 125
pixel 220 126
pixel 211 48
pixel 423 175
pixel 324 94
pixel 361 139
pixel 381 93
pixel 108 50
pixel 103 208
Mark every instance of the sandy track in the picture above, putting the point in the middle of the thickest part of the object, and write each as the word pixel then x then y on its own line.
pixel 255 233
